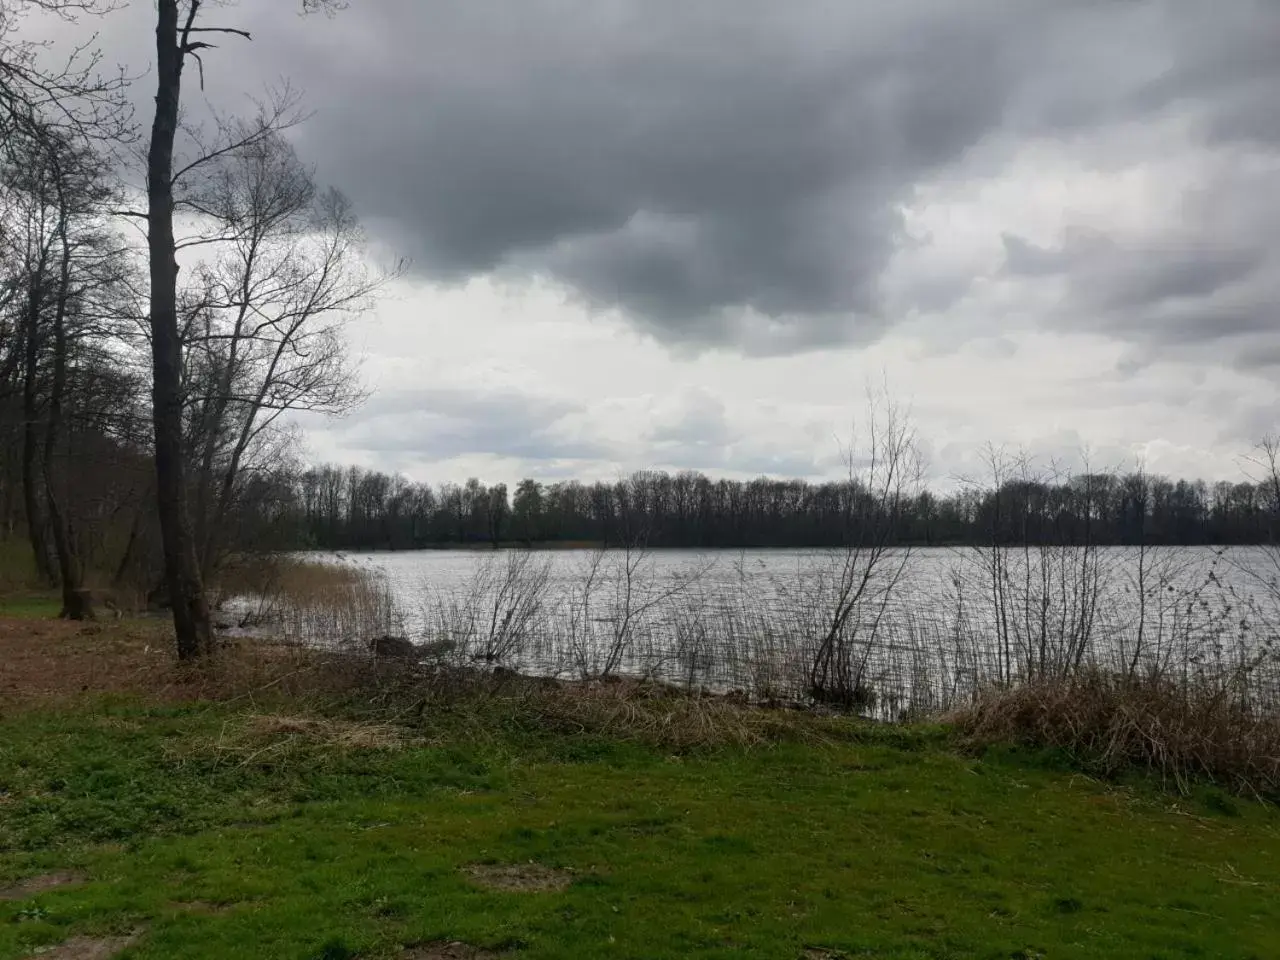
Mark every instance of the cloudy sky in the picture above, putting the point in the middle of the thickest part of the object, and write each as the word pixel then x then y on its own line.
pixel 667 233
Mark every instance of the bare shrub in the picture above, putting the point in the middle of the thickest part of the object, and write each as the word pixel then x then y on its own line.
pixel 844 603
pixel 499 614
pixel 1043 581
pixel 621 610
pixel 692 655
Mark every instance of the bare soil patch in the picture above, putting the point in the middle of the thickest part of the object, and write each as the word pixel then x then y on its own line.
pixel 447 950
pixel 521 877
pixel 56 662
pixel 87 948
pixel 31 886
pixel 43 661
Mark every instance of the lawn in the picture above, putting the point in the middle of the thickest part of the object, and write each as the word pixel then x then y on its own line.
pixel 215 831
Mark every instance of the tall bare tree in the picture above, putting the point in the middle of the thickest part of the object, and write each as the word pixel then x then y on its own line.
pixel 178 37
pixel 91 268
pixel 69 268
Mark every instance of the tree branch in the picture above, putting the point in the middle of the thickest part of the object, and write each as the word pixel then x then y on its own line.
pixel 239 33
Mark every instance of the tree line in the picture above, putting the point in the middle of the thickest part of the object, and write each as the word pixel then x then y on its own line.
pixel 333 507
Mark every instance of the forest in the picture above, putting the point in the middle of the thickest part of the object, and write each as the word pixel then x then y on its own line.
pixel 332 507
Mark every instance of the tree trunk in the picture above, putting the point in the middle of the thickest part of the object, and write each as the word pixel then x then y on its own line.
pixel 30 435
pixel 182 571
pixel 129 556
pixel 76 604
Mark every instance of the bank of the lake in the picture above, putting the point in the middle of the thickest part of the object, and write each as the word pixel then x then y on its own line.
pixel 171 819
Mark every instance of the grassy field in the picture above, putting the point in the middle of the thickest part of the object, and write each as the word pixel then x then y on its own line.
pixel 220 831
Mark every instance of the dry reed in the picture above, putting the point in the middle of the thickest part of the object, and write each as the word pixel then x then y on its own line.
pixel 1113 723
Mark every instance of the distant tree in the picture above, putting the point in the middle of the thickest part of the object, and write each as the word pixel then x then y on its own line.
pixel 499 510
pixel 526 511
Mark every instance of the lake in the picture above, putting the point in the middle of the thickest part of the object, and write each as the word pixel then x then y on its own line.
pixel 896 629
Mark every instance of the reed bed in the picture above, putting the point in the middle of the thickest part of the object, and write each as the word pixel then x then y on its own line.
pixel 1096 652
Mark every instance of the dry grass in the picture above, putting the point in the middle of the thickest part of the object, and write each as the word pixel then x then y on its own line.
pixel 342 734
pixel 273 574
pixel 269 738
pixel 293 684
pixel 447 950
pixel 518 877
pixel 1183 733
pixel 667 717
pixel 89 948
pixel 305 601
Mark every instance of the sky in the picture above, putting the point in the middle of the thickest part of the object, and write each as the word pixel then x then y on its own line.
pixel 676 234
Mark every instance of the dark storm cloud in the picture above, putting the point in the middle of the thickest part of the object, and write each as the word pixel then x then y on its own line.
pixel 689 162
pixel 730 172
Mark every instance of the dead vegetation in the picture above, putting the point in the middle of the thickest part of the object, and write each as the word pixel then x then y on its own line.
pixel 1112 723
pixel 518 877
pixel 675 719
pixel 270 735
pixel 48 661
pixel 1151 711
pixel 305 601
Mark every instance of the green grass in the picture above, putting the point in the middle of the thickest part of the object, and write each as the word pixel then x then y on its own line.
pixel 222 844
pixel 32 605
pixel 20 593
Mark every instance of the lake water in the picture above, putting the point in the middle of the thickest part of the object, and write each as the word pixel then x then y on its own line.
pixel 920 628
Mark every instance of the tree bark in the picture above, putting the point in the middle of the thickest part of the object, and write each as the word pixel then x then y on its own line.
pixel 182 570
pixel 30 434
pixel 76 604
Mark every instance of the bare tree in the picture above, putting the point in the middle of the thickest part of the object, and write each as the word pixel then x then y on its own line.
pixel 273 299
pixel 87 261
pixel 70 268
pixel 178 36
pixel 66 95
pixel 32 254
